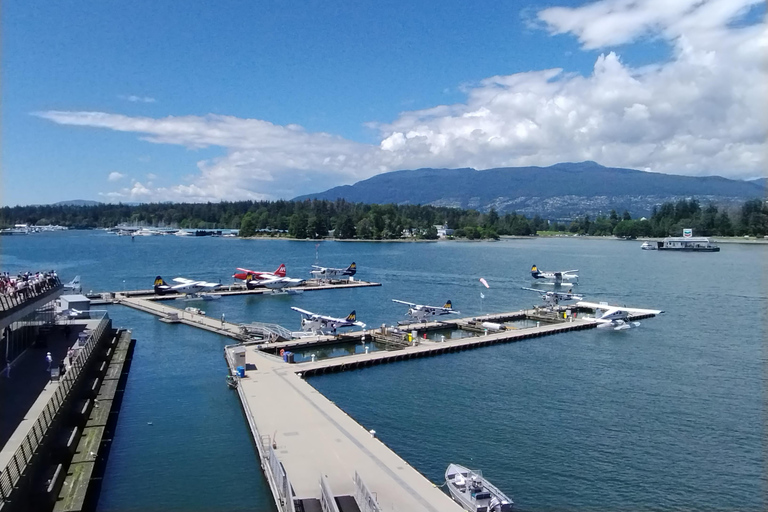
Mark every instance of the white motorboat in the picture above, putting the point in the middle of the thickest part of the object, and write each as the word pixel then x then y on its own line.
pixel 473 492
pixel 649 246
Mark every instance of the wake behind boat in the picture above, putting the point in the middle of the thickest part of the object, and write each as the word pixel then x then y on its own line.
pixel 475 493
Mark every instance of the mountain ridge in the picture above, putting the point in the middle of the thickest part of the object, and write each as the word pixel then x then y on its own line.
pixel 562 190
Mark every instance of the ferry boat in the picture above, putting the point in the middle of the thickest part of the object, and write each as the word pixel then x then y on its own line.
pixel 473 492
pixel 687 244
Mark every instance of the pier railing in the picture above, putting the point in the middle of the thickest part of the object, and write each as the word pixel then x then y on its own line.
pixel 364 497
pixel 327 499
pixel 281 481
pixel 33 290
pixel 10 475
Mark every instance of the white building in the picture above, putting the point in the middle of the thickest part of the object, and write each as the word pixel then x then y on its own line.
pixel 443 230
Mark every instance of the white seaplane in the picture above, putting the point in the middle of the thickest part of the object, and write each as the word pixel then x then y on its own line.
pixel 323 324
pixel 273 283
pixel 333 273
pixel 187 287
pixel 74 285
pixel 422 313
pixel 553 299
pixel 616 318
pixel 556 278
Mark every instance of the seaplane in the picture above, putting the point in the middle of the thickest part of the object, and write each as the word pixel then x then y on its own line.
pixel 322 324
pixel 273 283
pixel 188 287
pixel 553 299
pixel 74 285
pixel 616 317
pixel 422 313
pixel 333 273
pixel 244 273
pixel 557 278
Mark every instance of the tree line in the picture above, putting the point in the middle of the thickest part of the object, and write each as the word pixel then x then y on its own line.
pixel 671 218
pixel 321 218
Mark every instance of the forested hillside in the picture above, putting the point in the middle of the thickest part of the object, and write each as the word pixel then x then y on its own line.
pixel 319 218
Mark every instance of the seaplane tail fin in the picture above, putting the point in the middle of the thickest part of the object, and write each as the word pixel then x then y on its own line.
pixel 535 271
pixel 351 269
pixel 448 305
pixel 160 285
pixel 351 317
pixel 280 272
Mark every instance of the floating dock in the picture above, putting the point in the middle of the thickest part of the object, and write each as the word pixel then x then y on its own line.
pixel 316 457
pixel 312 452
pixel 228 290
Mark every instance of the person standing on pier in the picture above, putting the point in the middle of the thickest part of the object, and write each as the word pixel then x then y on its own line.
pixel 49 360
pixel 222 319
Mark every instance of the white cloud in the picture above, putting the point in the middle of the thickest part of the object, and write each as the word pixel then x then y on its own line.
pixel 115 176
pixel 702 111
pixel 137 99
pixel 613 22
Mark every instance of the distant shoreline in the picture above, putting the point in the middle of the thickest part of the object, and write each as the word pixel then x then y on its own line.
pixel 717 239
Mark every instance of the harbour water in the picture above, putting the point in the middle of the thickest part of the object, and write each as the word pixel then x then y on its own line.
pixel 670 416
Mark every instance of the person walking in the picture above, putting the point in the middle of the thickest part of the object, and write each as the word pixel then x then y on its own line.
pixel 49 360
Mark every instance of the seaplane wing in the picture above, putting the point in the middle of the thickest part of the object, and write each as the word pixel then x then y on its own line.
pixel 183 280
pixel 606 308
pixel 404 302
pixel 303 311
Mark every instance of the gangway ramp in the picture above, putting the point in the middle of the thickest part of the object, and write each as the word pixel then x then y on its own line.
pixel 268 332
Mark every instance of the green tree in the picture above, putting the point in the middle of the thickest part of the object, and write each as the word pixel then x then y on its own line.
pixel 247 225
pixel 298 226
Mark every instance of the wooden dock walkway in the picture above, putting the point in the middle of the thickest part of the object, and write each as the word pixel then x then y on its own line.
pixel 428 348
pixel 226 291
pixel 311 450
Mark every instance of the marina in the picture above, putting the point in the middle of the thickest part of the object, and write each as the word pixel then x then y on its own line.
pixel 298 431
pixel 357 479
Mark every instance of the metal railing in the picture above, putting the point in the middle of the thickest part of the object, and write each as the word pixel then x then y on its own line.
pixel 11 474
pixel 327 499
pixel 18 298
pixel 364 497
pixel 281 481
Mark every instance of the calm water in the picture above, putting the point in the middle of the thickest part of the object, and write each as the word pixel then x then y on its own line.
pixel 666 417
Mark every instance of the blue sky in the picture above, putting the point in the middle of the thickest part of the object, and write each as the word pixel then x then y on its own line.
pixel 153 101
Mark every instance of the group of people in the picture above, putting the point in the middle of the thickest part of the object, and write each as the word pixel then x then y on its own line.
pixel 26 284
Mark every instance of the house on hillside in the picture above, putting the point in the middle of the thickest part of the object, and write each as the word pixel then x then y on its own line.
pixel 443 230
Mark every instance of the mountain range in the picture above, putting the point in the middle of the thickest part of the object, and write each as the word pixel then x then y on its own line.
pixel 561 191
